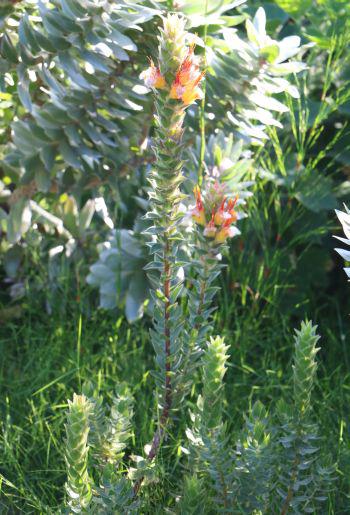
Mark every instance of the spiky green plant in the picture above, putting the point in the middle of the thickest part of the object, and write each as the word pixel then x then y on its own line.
pixel 240 478
pixel 207 436
pixel 165 197
pixel 275 468
pixel 253 467
pixel 214 369
pixel 109 433
pixel 304 367
pixel 78 486
pixel 302 480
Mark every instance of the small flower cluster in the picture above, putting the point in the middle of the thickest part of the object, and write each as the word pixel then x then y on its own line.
pixel 186 85
pixel 216 214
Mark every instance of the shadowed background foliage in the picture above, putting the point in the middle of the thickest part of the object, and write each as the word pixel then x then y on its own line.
pixel 75 146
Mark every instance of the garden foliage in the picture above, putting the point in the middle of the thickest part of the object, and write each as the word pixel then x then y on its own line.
pixel 238 480
pixel 180 160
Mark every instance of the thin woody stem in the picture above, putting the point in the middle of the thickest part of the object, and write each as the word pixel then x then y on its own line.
pixel 164 418
pixel 202 112
pixel 157 438
pixel 290 493
pixel 174 91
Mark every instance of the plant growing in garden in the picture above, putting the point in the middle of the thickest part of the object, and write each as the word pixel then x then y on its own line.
pixel 244 432
pixel 276 464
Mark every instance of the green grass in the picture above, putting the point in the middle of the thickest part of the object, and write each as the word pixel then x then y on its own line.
pixel 45 358
pixel 40 370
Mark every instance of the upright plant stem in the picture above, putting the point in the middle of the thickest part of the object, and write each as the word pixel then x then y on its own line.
pixel 290 492
pixel 157 438
pixel 202 113
pixel 175 82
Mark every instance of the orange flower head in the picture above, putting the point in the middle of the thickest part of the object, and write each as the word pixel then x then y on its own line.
pixel 186 84
pixel 152 77
pixel 199 216
pixel 198 197
pixel 191 94
pixel 188 70
pixel 220 215
pixel 226 213
pixel 176 90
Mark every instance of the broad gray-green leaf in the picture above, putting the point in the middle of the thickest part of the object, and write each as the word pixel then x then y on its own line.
pixel 42 177
pixel 135 297
pixel 12 260
pixel 19 220
pixel 314 191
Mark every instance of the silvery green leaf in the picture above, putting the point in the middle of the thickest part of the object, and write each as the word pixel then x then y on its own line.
pixel 47 155
pixel 268 102
pixel 287 68
pixel 345 254
pixel 86 214
pixel 12 260
pixel 259 22
pixel 122 40
pixel 23 93
pixel 252 33
pixel 135 297
pixel 344 219
pixel 19 220
pixel 69 154
pixel 101 271
pixel 288 47
pixel 262 115
pixel 42 177
pixel 24 138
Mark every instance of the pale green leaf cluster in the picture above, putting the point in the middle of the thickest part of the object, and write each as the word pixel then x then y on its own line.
pixel 78 486
pixel 98 437
pixel 258 69
pixel 68 62
pixel 214 368
pixel 278 464
pixel 303 479
pixel 119 272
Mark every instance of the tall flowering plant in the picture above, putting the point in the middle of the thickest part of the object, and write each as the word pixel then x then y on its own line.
pixel 180 329
pixel 270 471
pixel 175 80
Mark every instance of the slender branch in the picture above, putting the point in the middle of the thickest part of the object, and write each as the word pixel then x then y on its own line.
pixel 202 115
pixel 175 82
pixel 290 492
pixel 223 485
pixel 168 389
pixel 197 325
